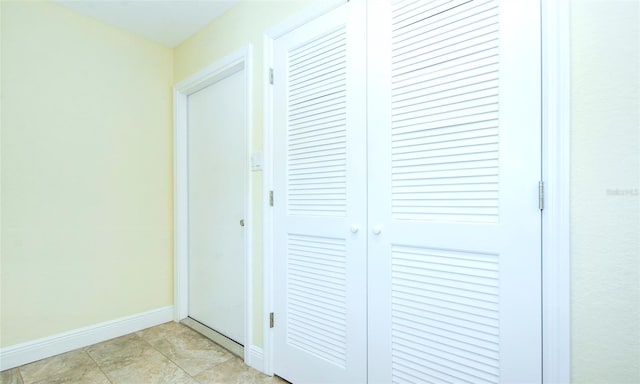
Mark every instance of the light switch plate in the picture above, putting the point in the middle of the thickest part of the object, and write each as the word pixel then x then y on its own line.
pixel 256 161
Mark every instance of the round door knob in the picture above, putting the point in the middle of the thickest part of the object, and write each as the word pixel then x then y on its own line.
pixel 355 229
pixel 377 230
pixel 242 222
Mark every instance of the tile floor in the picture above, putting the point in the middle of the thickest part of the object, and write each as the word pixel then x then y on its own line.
pixel 169 353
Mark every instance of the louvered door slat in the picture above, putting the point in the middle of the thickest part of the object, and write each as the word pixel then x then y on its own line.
pixel 326 89
pixel 420 143
pixel 318 134
pixel 311 67
pixel 426 10
pixel 461 45
pixel 445 58
pixel 326 101
pixel 428 131
pixel 426 305
pixel 480 96
pixel 433 24
pixel 313 49
pixel 457 53
pixel 447 113
pixel 327 164
pixel 318 116
pixel 447 33
pixel 319 154
pixel 446 152
pixel 325 258
pixel 419 96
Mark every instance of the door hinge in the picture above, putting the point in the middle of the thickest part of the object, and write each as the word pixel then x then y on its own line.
pixel 271 320
pixel 271 198
pixel 270 75
pixel 541 195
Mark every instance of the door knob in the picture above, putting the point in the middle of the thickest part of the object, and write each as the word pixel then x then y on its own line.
pixel 354 229
pixel 242 222
pixel 377 230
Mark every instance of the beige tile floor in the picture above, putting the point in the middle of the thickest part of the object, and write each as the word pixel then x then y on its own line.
pixel 169 353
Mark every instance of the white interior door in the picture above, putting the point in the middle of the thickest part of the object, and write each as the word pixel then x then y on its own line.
pixel 320 200
pixel 217 193
pixel 455 241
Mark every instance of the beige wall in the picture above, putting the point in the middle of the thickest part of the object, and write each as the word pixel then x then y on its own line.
pixel 243 24
pixel 86 172
pixel 605 235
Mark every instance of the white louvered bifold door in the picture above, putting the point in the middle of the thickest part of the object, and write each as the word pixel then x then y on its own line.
pixel 454 142
pixel 320 200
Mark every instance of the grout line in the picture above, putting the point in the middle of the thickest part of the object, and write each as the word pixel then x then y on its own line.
pixel 167 357
pixel 20 375
pixel 96 363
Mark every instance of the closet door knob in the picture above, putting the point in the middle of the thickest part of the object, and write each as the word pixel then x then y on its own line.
pixel 377 230
pixel 354 229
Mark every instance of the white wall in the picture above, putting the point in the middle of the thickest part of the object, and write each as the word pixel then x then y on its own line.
pixel 605 235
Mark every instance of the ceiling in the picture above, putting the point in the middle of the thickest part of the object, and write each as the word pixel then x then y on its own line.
pixel 168 22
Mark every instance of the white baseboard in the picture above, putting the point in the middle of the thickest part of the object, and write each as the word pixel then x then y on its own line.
pixel 256 358
pixel 38 349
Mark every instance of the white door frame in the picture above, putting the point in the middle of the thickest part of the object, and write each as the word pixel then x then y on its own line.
pixel 556 219
pixel 227 66
pixel 556 70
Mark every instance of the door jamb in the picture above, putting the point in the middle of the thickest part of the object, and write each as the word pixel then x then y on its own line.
pixel 556 230
pixel 220 69
pixel 556 216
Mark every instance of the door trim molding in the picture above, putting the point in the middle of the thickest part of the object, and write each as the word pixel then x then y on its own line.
pixel 268 38
pixel 556 174
pixel 220 69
